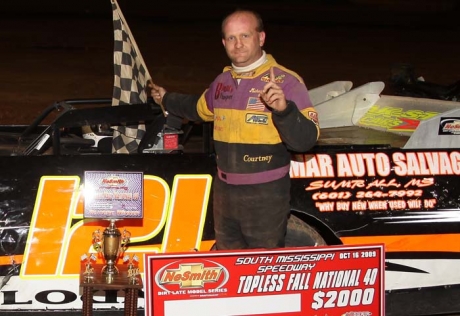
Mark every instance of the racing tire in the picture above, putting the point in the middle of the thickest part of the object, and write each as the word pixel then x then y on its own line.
pixel 301 234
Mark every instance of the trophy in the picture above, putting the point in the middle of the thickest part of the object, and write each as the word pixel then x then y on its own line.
pixel 111 243
pixel 133 269
pixel 89 270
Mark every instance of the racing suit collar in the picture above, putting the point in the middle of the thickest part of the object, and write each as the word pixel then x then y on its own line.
pixel 251 71
pixel 251 67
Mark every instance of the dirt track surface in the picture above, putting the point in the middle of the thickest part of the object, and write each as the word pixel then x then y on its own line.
pixel 52 58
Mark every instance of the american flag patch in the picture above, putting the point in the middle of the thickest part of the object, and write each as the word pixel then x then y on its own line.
pixel 255 104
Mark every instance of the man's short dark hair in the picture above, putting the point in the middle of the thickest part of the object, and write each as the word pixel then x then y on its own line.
pixel 260 23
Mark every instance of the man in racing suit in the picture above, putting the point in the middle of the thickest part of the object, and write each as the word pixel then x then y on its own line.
pixel 261 111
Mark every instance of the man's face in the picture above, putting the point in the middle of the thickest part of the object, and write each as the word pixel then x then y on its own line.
pixel 241 40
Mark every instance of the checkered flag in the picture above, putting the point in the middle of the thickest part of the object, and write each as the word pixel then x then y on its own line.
pixel 130 80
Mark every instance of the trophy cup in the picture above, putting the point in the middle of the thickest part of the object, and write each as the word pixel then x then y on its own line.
pixel 111 243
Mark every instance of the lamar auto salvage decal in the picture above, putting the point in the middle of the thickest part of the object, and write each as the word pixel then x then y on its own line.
pixel 375 181
pixel 299 281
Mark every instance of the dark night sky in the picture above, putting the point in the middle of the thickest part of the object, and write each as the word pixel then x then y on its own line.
pixel 419 11
pixel 65 47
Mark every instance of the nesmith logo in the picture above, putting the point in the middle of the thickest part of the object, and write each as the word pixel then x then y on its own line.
pixel 191 275
pixel 257 119
pixel 449 126
pixel 113 181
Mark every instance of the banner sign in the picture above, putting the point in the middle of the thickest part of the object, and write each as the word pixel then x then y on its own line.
pixel 113 194
pixel 319 281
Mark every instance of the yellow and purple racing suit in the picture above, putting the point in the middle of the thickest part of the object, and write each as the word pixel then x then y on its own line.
pixel 253 145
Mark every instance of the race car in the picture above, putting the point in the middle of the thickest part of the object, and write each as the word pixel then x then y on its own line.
pixel 385 170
